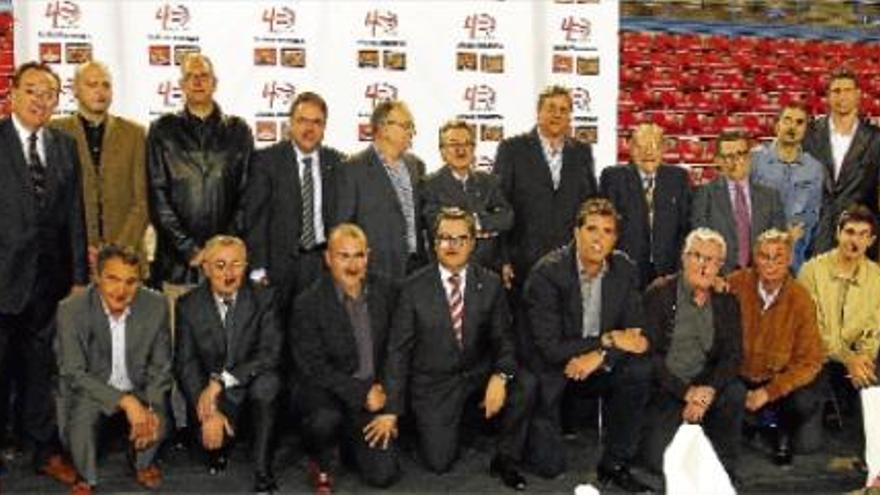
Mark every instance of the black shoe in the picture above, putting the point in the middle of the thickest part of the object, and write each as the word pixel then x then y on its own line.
pixel 622 478
pixel 504 468
pixel 264 482
pixel 217 462
pixel 782 450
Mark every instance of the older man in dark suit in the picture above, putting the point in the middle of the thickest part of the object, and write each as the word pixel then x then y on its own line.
pixel 653 201
pixel 459 184
pixel 545 176
pixel 450 352
pixel 340 339
pixel 43 251
pixel 227 348
pixel 734 205
pixel 114 354
pixel 381 192
pixel 291 203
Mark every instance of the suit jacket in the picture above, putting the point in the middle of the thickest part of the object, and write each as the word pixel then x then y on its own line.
pixel 544 218
pixel 638 238
pixel 370 201
pixel 84 348
pixel 483 197
pixel 323 340
pixel 423 352
pixel 857 182
pixel 555 310
pixel 118 183
pixel 273 205
pixel 712 208
pixel 200 346
pixel 725 354
pixel 54 236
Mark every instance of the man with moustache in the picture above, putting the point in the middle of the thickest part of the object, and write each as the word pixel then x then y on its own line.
pixel 697 352
pixel 459 184
pixel 381 192
pixel 654 205
pixel 450 355
pixel 111 154
pixel 43 253
pixel 545 176
pixel 782 350
pixel 114 355
pixel 291 203
pixel 226 357
pixel 734 205
pixel 849 148
pixel 784 166
pixel 340 340
pixel 586 318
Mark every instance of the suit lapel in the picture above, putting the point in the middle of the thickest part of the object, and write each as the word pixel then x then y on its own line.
pixel 108 142
pixel 20 167
pixel 54 164
pixel 453 186
pixel 100 326
pixel 328 192
pixel 441 302
pixel 721 198
pixel 381 176
pixel 211 322
pixel 856 149
pixel 573 287
pixel 242 312
pixel 473 291
pixel 824 153
pixel 133 332
pixel 539 162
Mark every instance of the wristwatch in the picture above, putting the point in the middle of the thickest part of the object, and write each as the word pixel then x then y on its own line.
pixel 507 377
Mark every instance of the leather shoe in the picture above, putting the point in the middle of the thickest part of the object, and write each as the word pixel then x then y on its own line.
pixel 782 450
pixel 149 477
pixel 321 480
pixel 264 482
pixel 621 477
pixel 504 468
pixel 81 487
pixel 56 467
pixel 217 462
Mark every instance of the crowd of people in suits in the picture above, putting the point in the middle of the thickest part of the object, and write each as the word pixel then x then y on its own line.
pixel 370 300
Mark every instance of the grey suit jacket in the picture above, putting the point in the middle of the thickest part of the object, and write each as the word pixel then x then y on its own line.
pixel 84 348
pixel 712 209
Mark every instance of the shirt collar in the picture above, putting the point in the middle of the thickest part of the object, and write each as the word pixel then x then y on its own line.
pixel 23 133
pixel 445 273
pixel 219 299
pixel 342 295
pixel 835 132
pixel 301 155
pixel 858 278
pixel 545 144
pixel 110 317
pixel 799 159
pixel 582 273
pixel 769 298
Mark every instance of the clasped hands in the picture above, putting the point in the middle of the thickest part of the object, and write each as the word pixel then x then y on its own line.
pixel 697 399
pixel 144 423
pixel 628 340
pixel 215 424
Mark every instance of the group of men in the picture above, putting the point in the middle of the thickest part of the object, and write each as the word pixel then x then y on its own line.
pixel 377 299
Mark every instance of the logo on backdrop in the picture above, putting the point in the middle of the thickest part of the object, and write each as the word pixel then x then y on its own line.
pixel 170 93
pixel 576 28
pixel 581 99
pixel 379 92
pixel 173 17
pixel 281 93
pixel 279 19
pixel 480 26
pixel 64 14
pixel 381 22
pixel 480 98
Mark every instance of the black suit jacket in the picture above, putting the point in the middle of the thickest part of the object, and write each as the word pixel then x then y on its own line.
pixel 423 353
pixel 369 200
pixel 200 343
pixel 273 205
pixel 725 355
pixel 323 340
pixel 544 218
pixel 637 237
pixel 857 182
pixel 483 198
pixel 555 310
pixel 53 236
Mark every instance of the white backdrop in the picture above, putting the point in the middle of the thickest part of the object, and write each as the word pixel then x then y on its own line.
pixel 480 60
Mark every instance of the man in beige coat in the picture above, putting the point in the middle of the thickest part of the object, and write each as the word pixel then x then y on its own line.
pixel 111 154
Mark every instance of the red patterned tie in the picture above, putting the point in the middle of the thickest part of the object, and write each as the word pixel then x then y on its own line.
pixel 456 307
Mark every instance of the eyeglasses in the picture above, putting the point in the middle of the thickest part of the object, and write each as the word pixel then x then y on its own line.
pixel 458 146
pixel 407 126
pixel 305 121
pixel 730 157
pixel 771 260
pixel 41 94
pixel 223 265
pixel 453 241
pixel 702 259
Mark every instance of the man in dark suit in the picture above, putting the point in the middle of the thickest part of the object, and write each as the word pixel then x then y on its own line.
pixel 734 205
pixel 849 147
pixel 451 354
pixel 290 203
pixel 458 184
pixel 114 355
pixel 227 348
pixel 43 251
pixel 340 342
pixel 381 192
pixel 653 201
pixel 545 176
pixel 585 315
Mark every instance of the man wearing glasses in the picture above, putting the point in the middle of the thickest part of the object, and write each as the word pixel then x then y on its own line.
pixel 227 349
pixel 381 192
pixel 734 205
pixel 459 184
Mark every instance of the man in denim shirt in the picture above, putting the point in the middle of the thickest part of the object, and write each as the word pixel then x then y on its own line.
pixel 797 175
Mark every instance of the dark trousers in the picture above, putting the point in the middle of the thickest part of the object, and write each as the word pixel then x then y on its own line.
pixel 624 390
pixel 799 415
pixel 722 424
pixel 30 335
pixel 301 272
pixel 328 423
pixel 441 409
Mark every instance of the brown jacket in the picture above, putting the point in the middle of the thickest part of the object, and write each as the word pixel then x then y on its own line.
pixel 123 178
pixel 781 345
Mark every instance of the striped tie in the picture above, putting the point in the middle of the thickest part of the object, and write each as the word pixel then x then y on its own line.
pixel 307 236
pixel 456 307
pixel 38 170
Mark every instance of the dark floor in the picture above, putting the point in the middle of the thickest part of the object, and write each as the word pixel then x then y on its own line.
pixel 184 473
